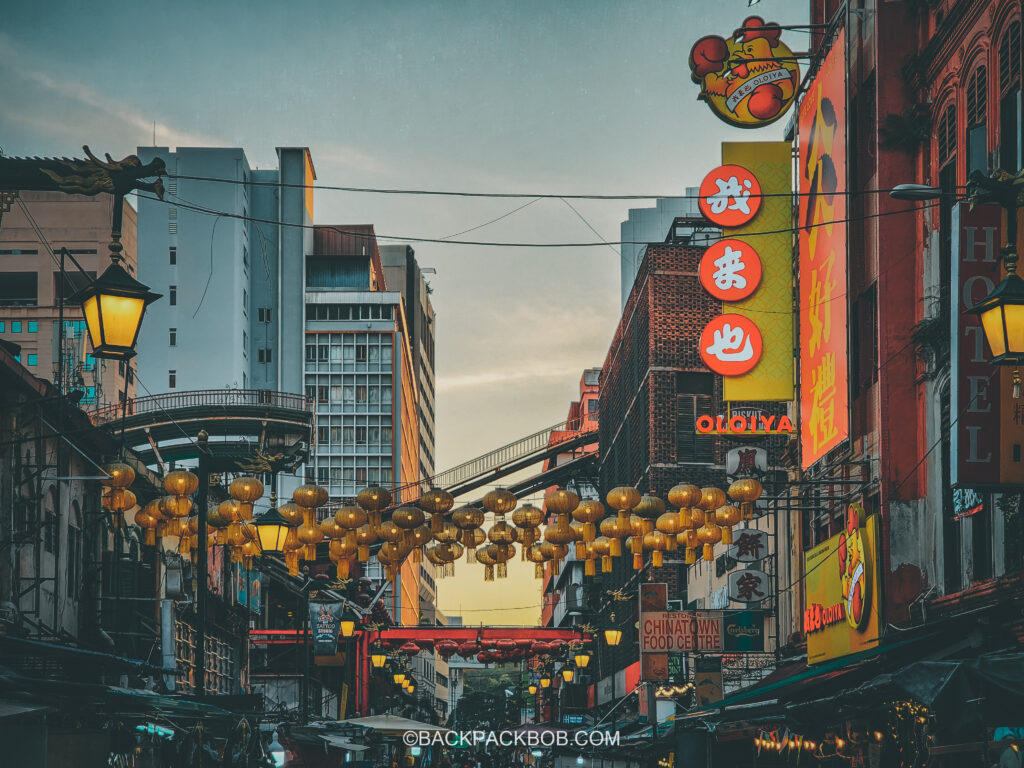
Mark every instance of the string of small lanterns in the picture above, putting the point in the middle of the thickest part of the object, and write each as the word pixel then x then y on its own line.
pixel 694 518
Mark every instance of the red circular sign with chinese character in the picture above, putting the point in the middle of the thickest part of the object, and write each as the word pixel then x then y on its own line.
pixel 730 345
pixel 730 270
pixel 730 196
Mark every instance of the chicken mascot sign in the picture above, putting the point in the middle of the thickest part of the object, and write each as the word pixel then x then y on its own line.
pixel 750 80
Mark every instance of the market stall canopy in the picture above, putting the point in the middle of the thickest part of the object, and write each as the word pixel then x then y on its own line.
pixel 391 724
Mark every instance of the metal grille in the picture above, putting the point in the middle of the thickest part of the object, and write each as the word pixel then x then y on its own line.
pixel 1009 57
pixel 977 97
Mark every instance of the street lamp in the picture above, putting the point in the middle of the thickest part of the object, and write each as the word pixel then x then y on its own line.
pixel 399 678
pixel 582 659
pixel 532 688
pixel 378 659
pixel 568 673
pixel 545 680
pixel 348 624
pixel 271 528
pixel 113 306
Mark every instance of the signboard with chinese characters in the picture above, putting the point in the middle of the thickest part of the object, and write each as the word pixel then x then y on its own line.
pixel 748 545
pixel 768 238
pixel 654 599
pixel 842 590
pixel 989 422
pixel 824 365
pixel 749 586
pixel 701 631
pixel 707 681
pixel 746 462
pixel 967 502
pixel 750 79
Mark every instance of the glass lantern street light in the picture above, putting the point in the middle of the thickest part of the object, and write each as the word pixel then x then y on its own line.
pixel 399 678
pixel 568 673
pixel 378 659
pixel 532 688
pixel 1002 319
pixel 582 659
pixel 271 529
pixel 113 306
pixel 545 681
pixel 613 636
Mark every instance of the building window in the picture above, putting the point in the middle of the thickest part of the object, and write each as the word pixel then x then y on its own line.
pixel 245 344
pixel 3 326
pixel 360 435
pixel 173 252
pixel 692 446
pixel 323 350
pixel 1011 111
pixel 360 475
pixel 593 405
pixel 172 296
pixel 15 326
pixel 173 337
pixel 360 353
pixel 361 394
pixel 245 254
pixel 311 353
pixel 977 130
pixel 322 434
pixel 19 289
pixel 321 394
pixel 33 326
pixel 264 314
pixel 264 355
pixel 33 360
pixel 245 302
pixel 946 136
pixel 172 379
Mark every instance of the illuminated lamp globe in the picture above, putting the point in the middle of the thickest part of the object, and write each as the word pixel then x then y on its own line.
pixel 272 530
pixel 532 688
pixel 113 305
pixel 582 659
pixel 378 659
pixel 1002 319
pixel 568 673
pixel 545 681
pixel 613 636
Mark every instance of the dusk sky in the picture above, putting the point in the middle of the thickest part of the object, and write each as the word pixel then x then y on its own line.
pixel 526 96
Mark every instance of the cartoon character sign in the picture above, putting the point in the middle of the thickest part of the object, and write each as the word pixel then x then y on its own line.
pixel 749 80
pixel 853 568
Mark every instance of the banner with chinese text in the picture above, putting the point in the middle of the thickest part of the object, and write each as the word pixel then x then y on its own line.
pixel 770 306
pixel 824 364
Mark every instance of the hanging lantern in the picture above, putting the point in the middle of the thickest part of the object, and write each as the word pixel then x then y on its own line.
pixel 391 557
pixel 501 553
pixel 746 491
pixel 342 553
pixel 309 496
pixel 469 519
pixel 417 539
pixel 292 548
pixel 446 648
pixel 309 535
pixel 615 529
pixel 485 556
pixel 581 545
pixel 656 543
pixel 559 535
pixel 649 508
pixel 292 513
pixel 527 519
pixel 447 533
pixel 623 499
pixel 436 503
pixel 499 502
pixel 446 554
pixel 726 516
pixel 148 523
pixel 709 534
pixel 247 490
pixel 689 541
pixel 365 537
pixel 181 482
pixel 501 533
pixel 601 547
pixel 119 500
pixel 561 502
pixel 668 524
pixel 468 649
pixel 684 495
pixel 118 475
pixel 535 554
pixel 711 498
pixel 351 518
pixel 588 512
pixel 408 518
pixel 388 531
pixel 373 500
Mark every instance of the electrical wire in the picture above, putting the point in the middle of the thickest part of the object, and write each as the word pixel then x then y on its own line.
pixel 492 221
pixel 459 193
pixel 600 244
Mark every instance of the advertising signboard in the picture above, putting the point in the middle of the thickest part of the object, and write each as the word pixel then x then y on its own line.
pixel 842 590
pixel 824 365
pixel 701 631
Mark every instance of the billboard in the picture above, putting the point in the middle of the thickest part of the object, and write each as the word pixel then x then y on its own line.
pixel 842 590
pixel 988 422
pixel 824 364
pixel 701 631
pixel 769 307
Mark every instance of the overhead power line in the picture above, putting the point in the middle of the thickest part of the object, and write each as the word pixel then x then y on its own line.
pixel 485 243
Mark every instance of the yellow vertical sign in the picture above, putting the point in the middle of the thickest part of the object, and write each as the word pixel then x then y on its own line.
pixel 770 307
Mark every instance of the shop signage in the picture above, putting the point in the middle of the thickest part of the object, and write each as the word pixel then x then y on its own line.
pixel 730 345
pixel 748 545
pixel 745 424
pixel 749 586
pixel 990 424
pixel 748 462
pixel 967 502
pixel 842 591
pixel 707 679
pixel 749 80
pixel 701 631
pixel 730 270
pixel 824 373
pixel 730 196
pixel 325 624
pixel 768 306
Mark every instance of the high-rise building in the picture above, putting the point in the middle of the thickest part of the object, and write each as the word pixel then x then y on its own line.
pixel 680 217
pixel 404 274
pixel 226 268
pixel 31 287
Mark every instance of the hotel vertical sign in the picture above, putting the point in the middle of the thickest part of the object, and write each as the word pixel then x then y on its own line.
pixel 824 365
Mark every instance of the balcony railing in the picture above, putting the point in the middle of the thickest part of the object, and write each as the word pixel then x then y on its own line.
pixel 225 398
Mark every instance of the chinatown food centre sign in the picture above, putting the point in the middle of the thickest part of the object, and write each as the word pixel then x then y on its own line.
pixel 841 592
pixel 712 631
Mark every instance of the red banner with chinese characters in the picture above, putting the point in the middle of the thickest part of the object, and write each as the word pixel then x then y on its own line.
pixel 824 364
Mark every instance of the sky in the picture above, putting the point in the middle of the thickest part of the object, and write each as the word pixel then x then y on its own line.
pixel 572 97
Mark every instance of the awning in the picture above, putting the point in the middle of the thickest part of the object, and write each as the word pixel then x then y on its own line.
pixel 391 724
pixel 12 709
pixel 340 742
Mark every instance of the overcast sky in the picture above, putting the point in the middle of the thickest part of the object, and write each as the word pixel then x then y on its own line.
pixel 571 96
